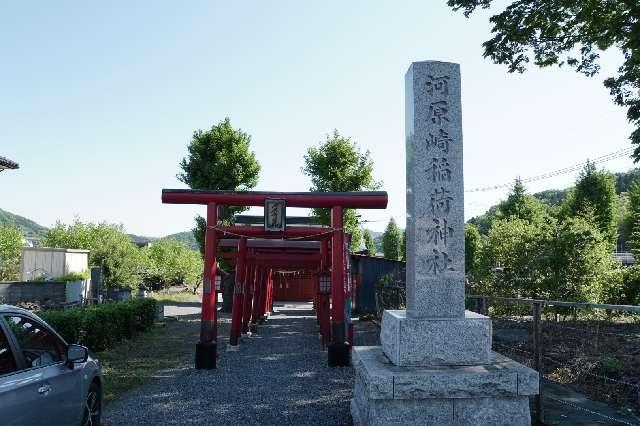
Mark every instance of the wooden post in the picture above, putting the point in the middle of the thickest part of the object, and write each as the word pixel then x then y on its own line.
pixel 236 312
pixel 537 351
pixel 249 285
pixel 257 293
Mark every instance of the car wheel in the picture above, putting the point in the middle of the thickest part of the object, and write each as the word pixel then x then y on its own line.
pixel 92 406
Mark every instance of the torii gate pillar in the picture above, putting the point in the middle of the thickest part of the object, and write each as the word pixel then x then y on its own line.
pixel 339 350
pixel 206 348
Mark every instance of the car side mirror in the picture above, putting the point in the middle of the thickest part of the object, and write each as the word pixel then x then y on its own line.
pixel 76 353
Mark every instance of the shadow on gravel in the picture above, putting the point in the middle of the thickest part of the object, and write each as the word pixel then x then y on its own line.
pixel 279 376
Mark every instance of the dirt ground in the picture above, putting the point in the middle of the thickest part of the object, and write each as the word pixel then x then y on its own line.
pixel 598 358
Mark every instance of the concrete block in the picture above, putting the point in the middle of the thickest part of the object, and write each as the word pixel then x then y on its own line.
pixel 492 411
pixel 501 377
pixel 436 341
pixel 431 412
pixel 495 394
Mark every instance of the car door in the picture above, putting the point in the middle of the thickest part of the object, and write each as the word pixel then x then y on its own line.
pixel 44 379
pixel 15 404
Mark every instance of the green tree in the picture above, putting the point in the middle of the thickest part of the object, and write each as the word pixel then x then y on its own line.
pixel 595 190
pixel 634 238
pixel 571 32
pixel 520 205
pixel 338 165
pixel 109 247
pixel 483 221
pixel 404 245
pixel 510 259
pixel 472 245
pixel 369 242
pixel 564 260
pixel 632 223
pixel 631 286
pixel 622 221
pixel 392 241
pixel 219 158
pixel 172 263
pixel 10 252
pixel 624 180
pixel 551 197
pixel 578 264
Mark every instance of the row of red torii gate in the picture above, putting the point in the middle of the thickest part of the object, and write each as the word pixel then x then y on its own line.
pixel 259 252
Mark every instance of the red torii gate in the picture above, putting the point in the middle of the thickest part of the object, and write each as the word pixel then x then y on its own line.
pixel 255 262
pixel 338 349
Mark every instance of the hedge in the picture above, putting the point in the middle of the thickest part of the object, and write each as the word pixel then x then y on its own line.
pixel 100 327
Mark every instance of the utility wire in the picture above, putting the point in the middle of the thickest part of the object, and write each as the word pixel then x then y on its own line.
pixel 559 172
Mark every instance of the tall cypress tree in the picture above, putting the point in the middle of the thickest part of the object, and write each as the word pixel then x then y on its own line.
pixel 596 190
pixel 392 241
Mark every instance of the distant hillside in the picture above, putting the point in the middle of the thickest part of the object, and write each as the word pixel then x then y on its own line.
pixel 185 237
pixel 29 228
pixel 555 197
pixel 140 239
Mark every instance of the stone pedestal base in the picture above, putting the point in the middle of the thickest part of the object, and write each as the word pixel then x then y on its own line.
pixel 436 341
pixel 496 393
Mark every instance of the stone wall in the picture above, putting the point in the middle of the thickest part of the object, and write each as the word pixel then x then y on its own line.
pixel 45 292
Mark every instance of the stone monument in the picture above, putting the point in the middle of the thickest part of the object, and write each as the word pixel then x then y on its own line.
pixel 435 365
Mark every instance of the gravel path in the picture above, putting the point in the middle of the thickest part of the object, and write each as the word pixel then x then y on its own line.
pixel 279 376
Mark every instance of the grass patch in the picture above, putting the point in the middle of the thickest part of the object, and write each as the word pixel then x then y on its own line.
pixel 179 296
pixel 164 350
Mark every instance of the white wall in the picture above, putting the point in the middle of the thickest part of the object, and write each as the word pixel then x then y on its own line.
pixel 51 262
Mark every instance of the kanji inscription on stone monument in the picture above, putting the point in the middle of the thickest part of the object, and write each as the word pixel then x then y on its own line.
pixel 435 197
pixel 435 365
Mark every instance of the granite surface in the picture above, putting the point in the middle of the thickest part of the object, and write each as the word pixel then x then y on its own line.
pixel 490 394
pixel 378 378
pixel 435 191
pixel 443 412
pixel 436 341
pixel 435 365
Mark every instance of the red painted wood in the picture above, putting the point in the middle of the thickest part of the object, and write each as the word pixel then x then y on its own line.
pixel 354 200
pixel 209 315
pixel 236 310
pixel 248 296
pixel 337 266
pixel 291 288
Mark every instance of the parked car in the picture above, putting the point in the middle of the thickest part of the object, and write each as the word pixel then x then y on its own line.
pixel 44 380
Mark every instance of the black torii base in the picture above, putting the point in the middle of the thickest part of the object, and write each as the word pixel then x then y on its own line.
pixel 206 354
pixel 339 354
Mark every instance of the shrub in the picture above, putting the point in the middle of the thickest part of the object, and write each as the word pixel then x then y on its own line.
pixel 631 280
pixel 74 276
pixel 10 251
pixel 170 262
pixel 100 327
pixel 612 366
pixel 109 247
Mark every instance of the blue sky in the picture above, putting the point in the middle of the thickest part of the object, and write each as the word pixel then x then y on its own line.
pixel 99 101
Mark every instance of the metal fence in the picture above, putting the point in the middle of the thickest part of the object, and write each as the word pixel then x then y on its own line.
pixel 390 292
pixel 580 348
pixel 593 349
